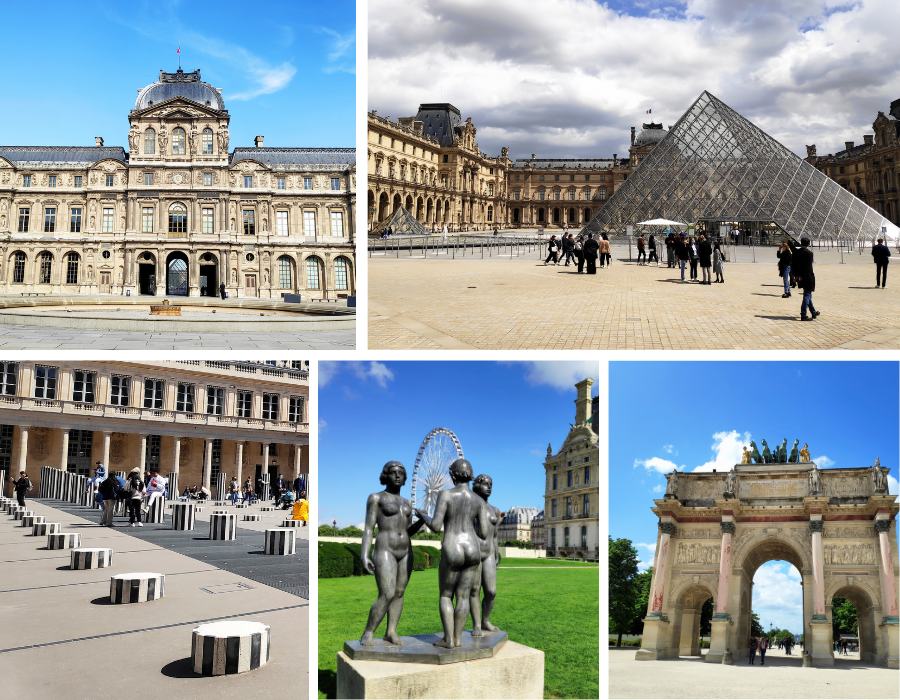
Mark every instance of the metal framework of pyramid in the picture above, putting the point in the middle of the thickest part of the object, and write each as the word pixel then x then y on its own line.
pixel 401 222
pixel 715 165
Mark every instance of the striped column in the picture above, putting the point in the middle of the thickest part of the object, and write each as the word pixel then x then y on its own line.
pixel 156 510
pixel 252 518
pixel 222 526
pixel 63 540
pixel 2 484
pixel 43 529
pixel 30 518
pixel 292 523
pixel 220 487
pixel 266 492
pixel 136 588
pixel 20 512
pixel 240 505
pixel 266 509
pixel 231 646
pixel 90 558
pixel 183 515
pixel 281 541
pixel 174 493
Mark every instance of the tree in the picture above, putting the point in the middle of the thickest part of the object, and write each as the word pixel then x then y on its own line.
pixel 756 629
pixel 843 617
pixel 642 584
pixel 623 568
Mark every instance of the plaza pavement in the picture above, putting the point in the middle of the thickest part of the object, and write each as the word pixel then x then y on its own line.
pixel 782 677
pixel 61 639
pixel 517 303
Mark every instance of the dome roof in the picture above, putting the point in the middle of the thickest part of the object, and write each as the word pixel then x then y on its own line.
pixel 179 84
pixel 519 516
pixel 651 134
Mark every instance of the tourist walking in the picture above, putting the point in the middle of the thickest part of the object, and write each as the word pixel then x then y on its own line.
pixel 719 263
pixel 651 244
pixel 751 656
pixel 605 237
pixel 785 257
pixel 881 254
pixel 134 491
pixel 763 645
pixel 591 248
pixel 579 252
pixel 21 486
pixel 642 254
pixel 694 257
pixel 802 264
pixel 568 248
pixel 552 251
pixel 682 254
pixel 604 250
pixel 704 254
pixel 234 490
pixel 107 489
pixel 670 250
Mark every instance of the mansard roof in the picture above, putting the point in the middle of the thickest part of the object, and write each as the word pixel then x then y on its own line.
pixel 56 156
pixel 281 158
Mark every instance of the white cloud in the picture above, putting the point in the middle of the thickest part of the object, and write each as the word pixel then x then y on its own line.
pixel 377 372
pixel 824 462
pixel 893 486
pixel 669 449
pixel 327 371
pixel 322 425
pixel 646 552
pixel 727 448
pixel 658 488
pixel 778 596
pixel 656 464
pixel 380 373
pixel 341 57
pixel 561 375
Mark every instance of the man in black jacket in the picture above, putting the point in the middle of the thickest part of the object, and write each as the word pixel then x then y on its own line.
pixel 591 247
pixel 881 253
pixel 802 264
pixel 108 488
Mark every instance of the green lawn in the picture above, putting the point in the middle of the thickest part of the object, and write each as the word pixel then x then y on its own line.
pixel 555 611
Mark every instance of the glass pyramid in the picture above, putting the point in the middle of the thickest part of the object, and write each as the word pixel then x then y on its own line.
pixel 400 222
pixel 717 167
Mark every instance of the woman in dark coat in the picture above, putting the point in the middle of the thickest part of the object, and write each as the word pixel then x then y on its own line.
pixel 704 254
pixel 22 485
pixel 785 258
pixel 552 251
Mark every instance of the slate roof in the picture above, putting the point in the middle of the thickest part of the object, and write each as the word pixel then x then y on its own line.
pixel 56 156
pixel 179 84
pixel 439 120
pixel 278 158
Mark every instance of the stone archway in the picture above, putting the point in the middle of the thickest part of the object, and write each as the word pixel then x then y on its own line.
pixel 177 274
pixel 863 601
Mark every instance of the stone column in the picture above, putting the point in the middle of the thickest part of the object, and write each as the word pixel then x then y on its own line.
pixel 207 465
pixel 23 448
pixel 265 458
pixel 176 456
pixel 143 456
pixel 821 649
pixel 655 642
pixel 239 462
pixel 298 458
pixel 660 569
pixel 718 646
pixel 107 436
pixel 64 451
pixel 886 569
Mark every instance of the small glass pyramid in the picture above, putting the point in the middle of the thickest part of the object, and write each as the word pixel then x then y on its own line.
pixel 401 222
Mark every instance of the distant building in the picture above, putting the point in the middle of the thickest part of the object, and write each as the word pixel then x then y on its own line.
pixel 516 525
pixel 571 497
pixel 538 532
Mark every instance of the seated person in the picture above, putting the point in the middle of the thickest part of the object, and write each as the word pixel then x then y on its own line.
pixel 203 494
pixel 301 509
pixel 286 500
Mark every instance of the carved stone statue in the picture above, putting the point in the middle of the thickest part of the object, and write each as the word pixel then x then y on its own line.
pixel 745 456
pixel 781 452
pixel 879 476
pixel 163 138
pixel 804 454
pixel 766 453
pixel 815 487
pixel 671 483
pixel 486 577
pixel 731 482
pixel 754 453
pixel 461 515
pixel 192 140
pixel 223 139
pixel 392 560
pixel 133 138
pixel 794 454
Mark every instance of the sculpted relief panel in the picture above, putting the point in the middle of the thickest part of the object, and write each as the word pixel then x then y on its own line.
pixel 695 553
pixel 850 532
pixel 844 486
pixel 772 488
pixel 849 554
pixel 690 489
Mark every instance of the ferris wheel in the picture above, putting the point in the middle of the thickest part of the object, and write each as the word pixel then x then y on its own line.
pixel 438 451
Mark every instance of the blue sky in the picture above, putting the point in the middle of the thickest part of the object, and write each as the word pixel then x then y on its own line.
pixel 695 415
pixel 503 413
pixel 286 69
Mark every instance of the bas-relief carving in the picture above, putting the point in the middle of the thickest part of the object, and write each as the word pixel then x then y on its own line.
pixel 711 534
pixel 772 488
pixel 695 553
pixel 849 554
pixel 849 532
pixel 848 486
pixel 697 489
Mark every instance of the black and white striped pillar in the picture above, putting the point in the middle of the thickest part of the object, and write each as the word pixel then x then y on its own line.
pixel 45 528
pixel 230 646
pixel 220 487
pixel 252 518
pixel 136 588
pixel 28 519
pixel 183 515
pixel 267 509
pixel 281 541
pixel 222 526
pixel 63 540
pixel 90 558
pixel 287 522
pixel 2 484
pixel 174 493
pixel 240 505
pixel 156 509
pixel 267 489
pixel 19 513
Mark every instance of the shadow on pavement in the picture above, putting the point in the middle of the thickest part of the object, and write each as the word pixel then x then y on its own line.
pixel 179 669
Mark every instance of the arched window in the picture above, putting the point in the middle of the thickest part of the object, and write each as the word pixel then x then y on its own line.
pixel 285 272
pixel 341 273
pixel 206 141
pixel 177 141
pixel 46 267
pixel 150 141
pixel 72 260
pixel 177 218
pixel 313 279
pixel 18 267
pixel 490 213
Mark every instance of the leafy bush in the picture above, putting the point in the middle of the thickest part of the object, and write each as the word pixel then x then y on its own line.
pixel 340 559
pixel 328 531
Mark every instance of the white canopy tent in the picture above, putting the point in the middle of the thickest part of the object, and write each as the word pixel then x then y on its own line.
pixel 661 222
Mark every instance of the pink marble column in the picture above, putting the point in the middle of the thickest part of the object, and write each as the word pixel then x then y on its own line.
pixel 660 568
pixel 724 566
pixel 818 559
pixel 886 570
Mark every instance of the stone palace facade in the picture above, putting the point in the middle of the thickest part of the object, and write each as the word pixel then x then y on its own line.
pixel 177 213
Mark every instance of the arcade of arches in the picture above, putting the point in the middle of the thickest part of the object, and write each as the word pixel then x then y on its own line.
pixel 836 526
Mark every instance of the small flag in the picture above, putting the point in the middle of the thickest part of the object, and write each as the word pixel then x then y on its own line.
pixel 178 50
pixel 649 111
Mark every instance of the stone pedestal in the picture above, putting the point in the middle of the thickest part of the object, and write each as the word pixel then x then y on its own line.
pixel 91 558
pixel 30 521
pixel 42 529
pixel 252 518
pixel 292 523
pixel 515 671
pixel 63 540
pixel 230 646
pixel 21 514
pixel 183 514
pixel 281 541
pixel 821 650
pixel 222 526
pixel 136 588
pixel 654 644
pixel 891 634
pixel 156 510
pixel 718 643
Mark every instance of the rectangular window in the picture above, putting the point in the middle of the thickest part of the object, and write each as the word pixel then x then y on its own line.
pixel 555 485
pixel 569 478
pixel 147 219
pixel 307 183
pixel 207 220
pixel 45 382
pixel 281 184
pixel 108 215
pixel 335 183
pixel 49 219
pixel 75 220
pixel 153 393
pixel 110 180
pixel 148 179
pixel 568 506
pixel 337 223
pixel 119 390
pixel 9 372
pixel 270 406
pixel 586 504
pixel 105 277
pixel 584 543
pixel 295 409
pixel 78 180
pixel 24 216
pixel 281 223
pixel 553 508
pixel 207 179
pixel 52 180
pixel 249 222
pixel 553 538
pixel 248 181
pixel 587 476
pixel 26 181
pixel 184 398
pixel 83 386
pixel 215 400
pixel 245 404
pixel 309 224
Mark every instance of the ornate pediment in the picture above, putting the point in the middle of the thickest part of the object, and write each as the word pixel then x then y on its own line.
pixel 177 108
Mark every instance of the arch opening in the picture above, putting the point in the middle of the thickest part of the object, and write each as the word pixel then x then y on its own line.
pixel 853 625
pixel 691 618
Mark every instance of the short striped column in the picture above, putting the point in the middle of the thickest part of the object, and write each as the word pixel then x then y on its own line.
pixel 231 646
pixel 11 507
pixel 240 505
pixel 252 518
pixel 183 515
pixel 156 510
pixel 218 503
pixel 222 526
pixel 43 529
pixel 267 489
pixel 174 493
pixel 220 487
pixel 267 509
pixel 136 588
pixel 63 540
pixel 29 519
pixel 292 523
pixel 281 541
pixel 20 513
pixel 90 558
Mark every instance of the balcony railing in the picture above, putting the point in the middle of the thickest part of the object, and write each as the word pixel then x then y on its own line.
pixel 250 368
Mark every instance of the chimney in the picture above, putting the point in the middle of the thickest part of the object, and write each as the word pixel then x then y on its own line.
pixel 259 141
pixel 615 159
pixel 98 141
pixel 848 145
pixel 811 151
pixel 632 136
pixel 867 139
pixel 583 402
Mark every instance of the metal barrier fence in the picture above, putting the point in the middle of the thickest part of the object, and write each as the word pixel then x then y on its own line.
pixel 459 246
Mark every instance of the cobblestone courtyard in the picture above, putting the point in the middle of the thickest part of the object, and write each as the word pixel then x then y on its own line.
pixel 518 303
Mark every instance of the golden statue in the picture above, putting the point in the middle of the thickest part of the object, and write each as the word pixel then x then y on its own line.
pixel 745 457
pixel 804 453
